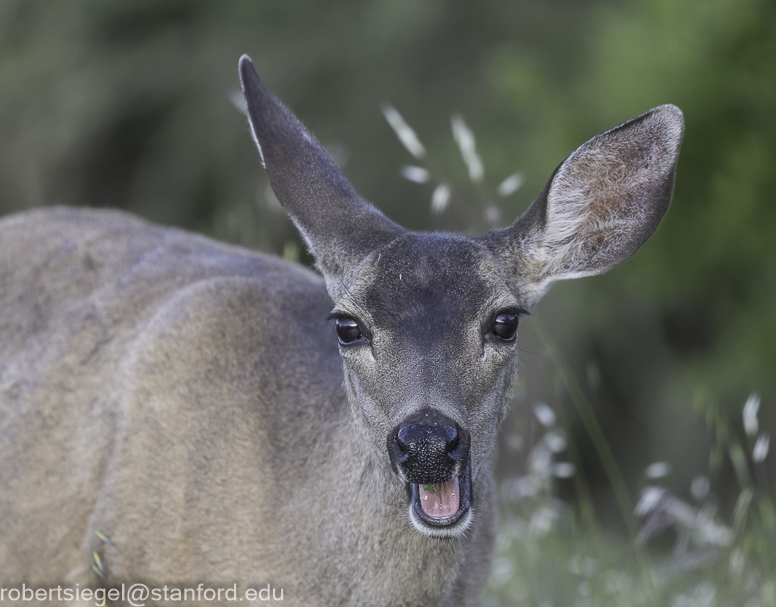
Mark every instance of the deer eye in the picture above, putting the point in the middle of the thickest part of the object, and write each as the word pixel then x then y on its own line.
pixel 505 326
pixel 348 331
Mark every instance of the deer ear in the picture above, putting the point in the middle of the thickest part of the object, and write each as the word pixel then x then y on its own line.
pixel 339 227
pixel 599 207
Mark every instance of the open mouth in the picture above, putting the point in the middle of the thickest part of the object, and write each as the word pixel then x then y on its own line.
pixel 442 507
pixel 430 453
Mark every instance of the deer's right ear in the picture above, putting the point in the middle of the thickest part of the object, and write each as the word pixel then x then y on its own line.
pixel 599 207
pixel 339 227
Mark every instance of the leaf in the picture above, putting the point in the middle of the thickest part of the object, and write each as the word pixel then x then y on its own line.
pixel 465 139
pixel 102 536
pixel 510 185
pixel 440 198
pixel 760 450
pixel 751 407
pixel 414 173
pixel 403 131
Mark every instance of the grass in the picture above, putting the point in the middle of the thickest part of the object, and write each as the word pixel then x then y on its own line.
pixel 672 553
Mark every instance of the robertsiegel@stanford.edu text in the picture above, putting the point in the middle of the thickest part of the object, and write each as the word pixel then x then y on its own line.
pixel 137 594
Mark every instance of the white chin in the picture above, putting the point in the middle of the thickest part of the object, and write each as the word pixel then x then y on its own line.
pixel 456 530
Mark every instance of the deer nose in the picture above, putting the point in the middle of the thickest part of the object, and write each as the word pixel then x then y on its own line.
pixel 429 451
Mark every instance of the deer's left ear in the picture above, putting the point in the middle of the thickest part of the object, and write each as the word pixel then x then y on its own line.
pixel 599 207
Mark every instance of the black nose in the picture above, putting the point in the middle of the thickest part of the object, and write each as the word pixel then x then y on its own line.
pixel 429 448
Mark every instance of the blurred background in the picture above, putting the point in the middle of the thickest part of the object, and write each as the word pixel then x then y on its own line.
pixel 131 104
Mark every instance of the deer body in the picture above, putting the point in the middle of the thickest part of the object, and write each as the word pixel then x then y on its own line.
pixel 190 400
pixel 182 470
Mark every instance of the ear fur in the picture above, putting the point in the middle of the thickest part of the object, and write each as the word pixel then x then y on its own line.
pixel 599 207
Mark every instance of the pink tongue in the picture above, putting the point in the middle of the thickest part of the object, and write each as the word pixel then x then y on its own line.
pixel 442 503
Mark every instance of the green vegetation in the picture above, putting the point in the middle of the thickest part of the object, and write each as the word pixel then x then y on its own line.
pixel 669 550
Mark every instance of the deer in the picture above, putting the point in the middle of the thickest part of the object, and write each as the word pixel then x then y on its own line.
pixel 176 411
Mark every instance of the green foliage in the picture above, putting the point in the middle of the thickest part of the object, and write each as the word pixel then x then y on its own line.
pixel 674 551
pixel 710 266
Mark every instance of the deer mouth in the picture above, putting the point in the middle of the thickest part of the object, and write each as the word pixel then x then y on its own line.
pixel 442 509
pixel 430 453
